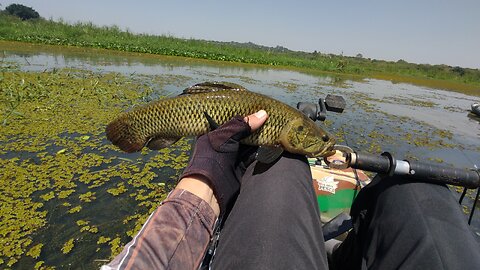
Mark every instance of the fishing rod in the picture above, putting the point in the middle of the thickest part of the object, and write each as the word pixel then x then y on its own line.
pixel 387 164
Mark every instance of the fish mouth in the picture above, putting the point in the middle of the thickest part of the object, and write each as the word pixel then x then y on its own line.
pixel 327 151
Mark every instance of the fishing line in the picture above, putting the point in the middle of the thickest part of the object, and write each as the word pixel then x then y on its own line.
pixel 473 207
pixel 472 210
pixel 463 195
pixel 357 179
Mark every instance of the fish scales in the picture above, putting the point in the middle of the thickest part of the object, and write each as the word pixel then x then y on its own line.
pixel 184 115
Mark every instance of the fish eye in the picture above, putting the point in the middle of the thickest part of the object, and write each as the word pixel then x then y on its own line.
pixel 300 128
pixel 325 138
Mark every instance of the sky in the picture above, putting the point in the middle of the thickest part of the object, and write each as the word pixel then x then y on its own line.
pixel 417 31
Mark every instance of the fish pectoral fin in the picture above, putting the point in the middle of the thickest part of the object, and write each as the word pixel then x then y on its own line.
pixel 268 154
pixel 207 87
pixel 161 142
pixel 213 125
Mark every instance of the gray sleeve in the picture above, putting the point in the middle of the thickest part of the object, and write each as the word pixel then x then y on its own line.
pixel 175 236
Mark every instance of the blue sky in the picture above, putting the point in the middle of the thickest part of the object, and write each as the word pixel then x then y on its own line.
pixel 419 31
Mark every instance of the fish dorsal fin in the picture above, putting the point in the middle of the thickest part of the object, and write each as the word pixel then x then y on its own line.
pixel 268 154
pixel 207 87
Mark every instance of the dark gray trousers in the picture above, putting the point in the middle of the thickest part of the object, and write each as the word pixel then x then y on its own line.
pixel 275 224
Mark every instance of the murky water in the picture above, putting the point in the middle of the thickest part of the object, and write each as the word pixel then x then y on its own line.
pixel 407 120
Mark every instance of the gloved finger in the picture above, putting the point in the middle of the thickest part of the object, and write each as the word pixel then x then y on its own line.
pixel 236 129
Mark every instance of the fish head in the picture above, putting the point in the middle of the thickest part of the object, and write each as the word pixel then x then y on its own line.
pixel 303 136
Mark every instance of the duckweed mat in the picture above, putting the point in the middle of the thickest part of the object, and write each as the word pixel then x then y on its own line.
pixel 69 199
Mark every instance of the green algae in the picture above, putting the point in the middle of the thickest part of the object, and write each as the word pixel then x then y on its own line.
pixel 290 87
pixel 68 246
pixel 75 209
pixel 115 245
pixel 87 197
pixel 35 251
pixel 102 240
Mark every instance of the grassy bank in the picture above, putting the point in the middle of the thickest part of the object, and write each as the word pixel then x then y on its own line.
pixel 89 35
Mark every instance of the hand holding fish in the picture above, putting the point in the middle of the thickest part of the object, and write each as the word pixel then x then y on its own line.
pixel 214 159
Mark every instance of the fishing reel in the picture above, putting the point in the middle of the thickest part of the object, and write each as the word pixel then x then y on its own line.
pixel 318 111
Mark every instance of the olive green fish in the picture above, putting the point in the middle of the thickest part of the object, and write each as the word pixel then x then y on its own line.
pixel 161 123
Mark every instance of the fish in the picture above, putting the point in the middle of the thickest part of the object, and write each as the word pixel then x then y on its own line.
pixel 161 123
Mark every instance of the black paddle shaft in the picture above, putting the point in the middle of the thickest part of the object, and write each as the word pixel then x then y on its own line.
pixel 421 171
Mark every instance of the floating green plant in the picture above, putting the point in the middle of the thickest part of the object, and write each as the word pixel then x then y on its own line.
pixel 40 265
pixel 118 190
pixel 68 246
pixel 34 252
pixel 289 86
pixel 102 240
pixel 115 246
pixel 48 196
pixel 89 228
pixel 75 209
pixel 87 197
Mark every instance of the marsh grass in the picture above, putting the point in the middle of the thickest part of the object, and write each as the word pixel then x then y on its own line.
pixel 113 38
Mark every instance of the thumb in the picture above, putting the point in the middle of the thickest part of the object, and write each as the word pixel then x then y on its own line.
pixel 256 120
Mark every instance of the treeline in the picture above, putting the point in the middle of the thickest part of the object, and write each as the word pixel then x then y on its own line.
pixel 112 37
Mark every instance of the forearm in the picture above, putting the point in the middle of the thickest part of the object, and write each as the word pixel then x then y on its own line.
pixel 198 186
pixel 175 236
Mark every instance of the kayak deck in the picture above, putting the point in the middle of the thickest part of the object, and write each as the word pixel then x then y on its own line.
pixel 335 189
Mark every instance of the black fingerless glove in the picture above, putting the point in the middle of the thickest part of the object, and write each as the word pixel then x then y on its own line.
pixel 215 157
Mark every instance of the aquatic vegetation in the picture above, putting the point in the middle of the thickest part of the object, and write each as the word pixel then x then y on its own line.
pixel 118 190
pixel 68 246
pixel 410 101
pixel 87 197
pixel 55 162
pixel 75 209
pixel 437 160
pixel 48 196
pixel 40 265
pixel 115 246
pixel 102 240
pixel 88 228
pixel 289 86
pixel 34 252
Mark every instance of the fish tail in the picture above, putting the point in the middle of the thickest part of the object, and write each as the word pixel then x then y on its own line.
pixel 119 133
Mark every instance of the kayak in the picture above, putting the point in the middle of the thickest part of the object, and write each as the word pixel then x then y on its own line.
pixel 335 189
pixel 476 108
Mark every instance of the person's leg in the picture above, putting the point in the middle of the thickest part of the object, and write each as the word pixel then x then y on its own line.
pixel 275 222
pixel 405 225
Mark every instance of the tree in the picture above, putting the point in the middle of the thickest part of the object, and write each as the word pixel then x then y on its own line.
pixel 460 71
pixel 21 11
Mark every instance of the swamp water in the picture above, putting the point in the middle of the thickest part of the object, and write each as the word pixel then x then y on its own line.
pixel 70 200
